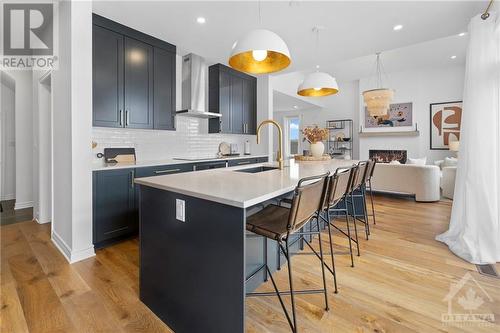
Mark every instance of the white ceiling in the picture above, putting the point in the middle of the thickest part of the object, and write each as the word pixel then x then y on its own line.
pixel 285 102
pixel 353 29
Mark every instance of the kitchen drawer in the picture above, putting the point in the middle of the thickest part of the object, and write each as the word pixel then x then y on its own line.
pixel 244 161
pixel 210 165
pixel 162 170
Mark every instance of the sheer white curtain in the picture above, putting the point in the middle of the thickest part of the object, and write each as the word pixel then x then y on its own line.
pixel 474 231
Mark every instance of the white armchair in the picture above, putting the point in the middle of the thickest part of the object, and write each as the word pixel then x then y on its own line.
pixel 448 181
pixel 448 168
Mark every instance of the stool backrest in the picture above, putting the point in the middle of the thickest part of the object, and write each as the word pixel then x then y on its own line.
pixel 359 174
pixel 309 197
pixel 371 169
pixel 339 185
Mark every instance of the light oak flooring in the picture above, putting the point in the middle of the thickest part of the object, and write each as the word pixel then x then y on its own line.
pixel 398 285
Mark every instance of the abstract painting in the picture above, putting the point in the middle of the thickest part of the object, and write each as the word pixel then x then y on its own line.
pixel 400 114
pixel 446 121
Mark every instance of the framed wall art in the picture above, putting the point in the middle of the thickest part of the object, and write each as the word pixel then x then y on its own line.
pixel 445 123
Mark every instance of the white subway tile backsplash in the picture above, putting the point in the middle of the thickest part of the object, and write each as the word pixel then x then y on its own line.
pixel 190 139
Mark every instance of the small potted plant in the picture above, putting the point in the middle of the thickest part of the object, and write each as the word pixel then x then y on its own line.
pixel 315 135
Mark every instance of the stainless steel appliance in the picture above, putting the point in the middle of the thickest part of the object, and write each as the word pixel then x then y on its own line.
pixel 194 83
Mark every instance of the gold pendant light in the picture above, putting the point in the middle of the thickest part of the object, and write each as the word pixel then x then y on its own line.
pixel 378 100
pixel 260 51
pixel 318 84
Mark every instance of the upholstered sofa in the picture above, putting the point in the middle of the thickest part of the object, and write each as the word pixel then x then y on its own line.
pixel 448 168
pixel 419 180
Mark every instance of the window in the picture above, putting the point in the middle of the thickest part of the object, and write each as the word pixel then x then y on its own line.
pixel 292 136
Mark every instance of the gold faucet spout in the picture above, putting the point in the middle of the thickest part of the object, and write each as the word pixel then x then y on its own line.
pixel 279 155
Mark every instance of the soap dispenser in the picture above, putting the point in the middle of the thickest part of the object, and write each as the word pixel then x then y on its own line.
pixel 247 147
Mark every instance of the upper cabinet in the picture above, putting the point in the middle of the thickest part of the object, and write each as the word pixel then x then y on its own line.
pixel 133 78
pixel 233 94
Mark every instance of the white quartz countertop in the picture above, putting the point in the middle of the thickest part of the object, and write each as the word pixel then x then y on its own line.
pixel 240 189
pixel 100 165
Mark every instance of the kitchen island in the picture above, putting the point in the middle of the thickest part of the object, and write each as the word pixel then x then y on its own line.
pixel 195 254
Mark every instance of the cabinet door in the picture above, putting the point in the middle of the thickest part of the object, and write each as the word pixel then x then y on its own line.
pixel 164 89
pixel 115 212
pixel 138 84
pixel 250 106
pixel 237 105
pixel 107 80
pixel 225 102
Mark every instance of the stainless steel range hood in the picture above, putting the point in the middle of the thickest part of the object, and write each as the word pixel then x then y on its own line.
pixel 194 81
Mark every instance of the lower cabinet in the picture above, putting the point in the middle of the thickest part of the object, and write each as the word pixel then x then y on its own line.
pixel 114 207
pixel 116 198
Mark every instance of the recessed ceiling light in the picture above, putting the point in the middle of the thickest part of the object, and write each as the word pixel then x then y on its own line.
pixel 453 57
pixel 201 20
pixel 317 66
pixel 295 107
pixel 397 27
pixel 461 34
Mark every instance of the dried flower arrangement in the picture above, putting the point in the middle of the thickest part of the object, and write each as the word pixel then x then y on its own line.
pixel 314 134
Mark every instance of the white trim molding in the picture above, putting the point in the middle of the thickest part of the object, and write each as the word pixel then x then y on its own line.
pixel 71 256
pixel 22 205
pixel 6 197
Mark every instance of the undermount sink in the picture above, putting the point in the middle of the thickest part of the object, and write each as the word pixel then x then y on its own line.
pixel 257 169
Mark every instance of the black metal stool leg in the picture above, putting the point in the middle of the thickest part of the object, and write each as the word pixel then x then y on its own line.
pixel 322 264
pixel 365 212
pixel 331 249
pixel 371 199
pixel 265 259
pixel 355 224
pixel 292 296
pixel 349 234
pixel 278 259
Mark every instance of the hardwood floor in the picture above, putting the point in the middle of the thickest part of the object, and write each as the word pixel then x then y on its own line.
pixel 8 215
pixel 398 285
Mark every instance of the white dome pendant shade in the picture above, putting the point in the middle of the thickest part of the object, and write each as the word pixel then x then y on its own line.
pixel 260 51
pixel 378 101
pixel 318 84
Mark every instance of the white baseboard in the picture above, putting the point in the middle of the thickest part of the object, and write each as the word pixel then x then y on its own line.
pixel 22 205
pixel 8 197
pixel 71 256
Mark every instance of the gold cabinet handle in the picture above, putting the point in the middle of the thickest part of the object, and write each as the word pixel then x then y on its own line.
pixel 246 162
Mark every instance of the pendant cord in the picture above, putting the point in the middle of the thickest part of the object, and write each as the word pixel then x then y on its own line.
pixel 379 72
pixel 486 13
pixel 260 16
pixel 317 48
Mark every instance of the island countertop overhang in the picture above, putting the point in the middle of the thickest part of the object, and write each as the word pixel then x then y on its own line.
pixel 239 189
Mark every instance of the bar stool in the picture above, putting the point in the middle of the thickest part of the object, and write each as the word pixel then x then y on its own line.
pixel 340 188
pixel 357 191
pixel 368 185
pixel 279 223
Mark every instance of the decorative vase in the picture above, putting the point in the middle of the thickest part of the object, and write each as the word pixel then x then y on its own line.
pixel 317 149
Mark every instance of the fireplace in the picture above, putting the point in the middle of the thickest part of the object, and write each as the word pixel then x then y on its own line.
pixel 386 156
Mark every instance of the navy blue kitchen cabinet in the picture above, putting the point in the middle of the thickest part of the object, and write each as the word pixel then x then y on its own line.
pixel 233 94
pixel 133 78
pixel 114 208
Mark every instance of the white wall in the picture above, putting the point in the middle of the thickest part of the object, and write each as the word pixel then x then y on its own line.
pixel 42 152
pixel 24 137
pixel 190 138
pixel 72 128
pixel 8 148
pixel 421 87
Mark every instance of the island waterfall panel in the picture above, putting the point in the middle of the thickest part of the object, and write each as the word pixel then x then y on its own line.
pixel 192 274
